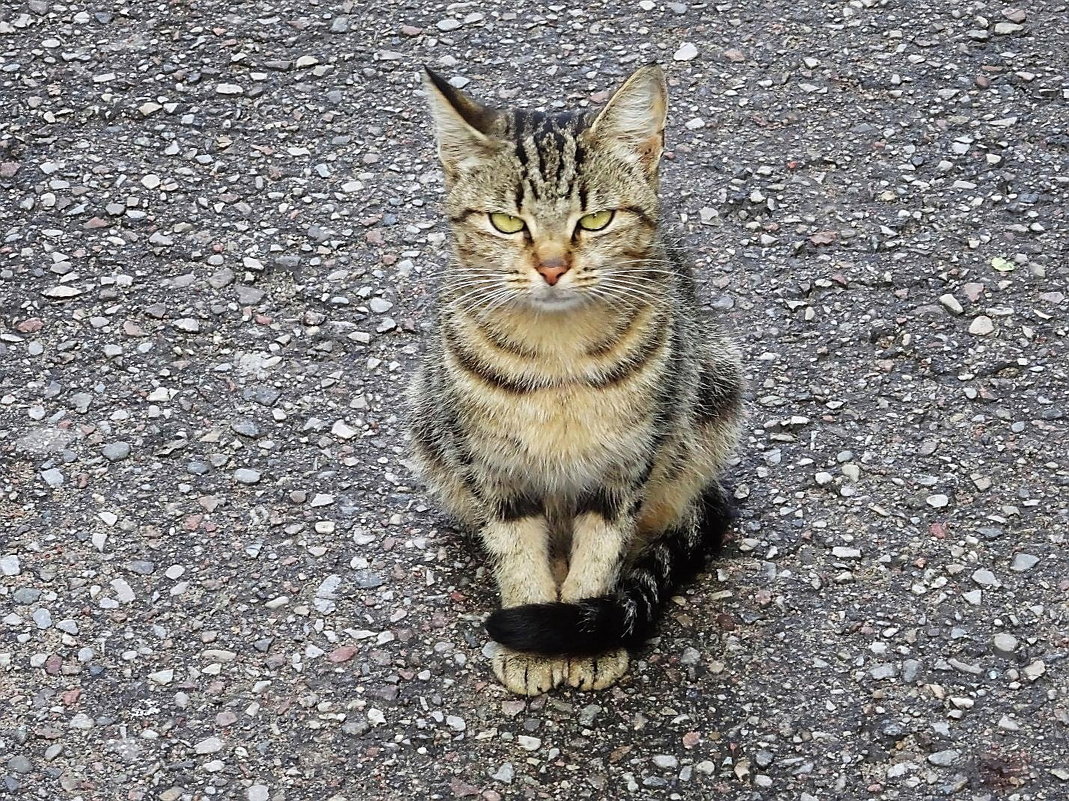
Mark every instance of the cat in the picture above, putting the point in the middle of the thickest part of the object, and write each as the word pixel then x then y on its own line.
pixel 574 407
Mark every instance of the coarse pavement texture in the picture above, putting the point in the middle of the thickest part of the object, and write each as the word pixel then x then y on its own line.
pixel 220 236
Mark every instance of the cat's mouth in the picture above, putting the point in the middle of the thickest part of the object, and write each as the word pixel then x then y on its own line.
pixel 554 298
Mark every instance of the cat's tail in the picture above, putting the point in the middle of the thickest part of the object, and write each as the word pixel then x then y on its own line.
pixel 628 615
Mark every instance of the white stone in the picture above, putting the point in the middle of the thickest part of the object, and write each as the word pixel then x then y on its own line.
pixel 209 745
pixel 686 52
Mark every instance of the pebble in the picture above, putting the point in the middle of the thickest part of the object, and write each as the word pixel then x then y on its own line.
pixel 245 475
pixel 53 477
pixel 588 714
pixel 1023 562
pixel 937 501
pixel 42 618
pixel 528 743
pixel 9 565
pixel 505 773
pixel 1006 28
pixel 24 596
pixel 124 593
pixel 116 451
pixel 840 552
pixel 187 324
pixel 1035 669
pixel 343 430
pixel 883 671
pixel 985 578
pixel 19 764
pixel 981 326
pixel 951 304
pixel 249 295
pixel 229 89
pixel 686 52
pixel 665 761
pixel 209 745
pixel 1004 643
pixel 258 792
pixel 246 428
pixel 944 758
pixel 447 24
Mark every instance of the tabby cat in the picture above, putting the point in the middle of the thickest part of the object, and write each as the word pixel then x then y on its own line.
pixel 573 408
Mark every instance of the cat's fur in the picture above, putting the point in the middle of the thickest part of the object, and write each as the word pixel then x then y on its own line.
pixel 577 424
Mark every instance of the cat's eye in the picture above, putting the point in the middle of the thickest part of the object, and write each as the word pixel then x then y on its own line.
pixel 595 221
pixel 506 223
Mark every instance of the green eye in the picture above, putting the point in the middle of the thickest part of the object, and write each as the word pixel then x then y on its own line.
pixel 506 223
pixel 595 221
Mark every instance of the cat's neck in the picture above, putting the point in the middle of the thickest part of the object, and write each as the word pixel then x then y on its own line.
pixel 562 333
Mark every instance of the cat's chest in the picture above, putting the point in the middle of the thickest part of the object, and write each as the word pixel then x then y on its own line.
pixel 564 435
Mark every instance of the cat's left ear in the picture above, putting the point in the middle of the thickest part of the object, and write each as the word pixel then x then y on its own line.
pixel 464 126
pixel 633 120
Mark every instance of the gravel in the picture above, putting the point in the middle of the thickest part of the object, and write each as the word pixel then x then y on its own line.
pixel 220 245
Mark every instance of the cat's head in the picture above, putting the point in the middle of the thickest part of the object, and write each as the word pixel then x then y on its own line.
pixel 551 210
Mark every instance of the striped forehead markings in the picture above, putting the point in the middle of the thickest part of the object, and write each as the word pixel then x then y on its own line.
pixel 544 139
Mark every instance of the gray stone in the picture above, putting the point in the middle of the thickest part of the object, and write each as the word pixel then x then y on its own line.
pixel 247 428
pixel 366 580
pixel 686 52
pixel 209 745
pixel 24 596
pixel 505 773
pixel 1023 562
pixel 1004 642
pixel 944 758
pixel 115 451
pixel 951 304
pixel 245 475
pixel 249 295
pixel 9 565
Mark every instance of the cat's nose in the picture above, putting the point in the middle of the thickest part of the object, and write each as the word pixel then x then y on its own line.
pixel 552 269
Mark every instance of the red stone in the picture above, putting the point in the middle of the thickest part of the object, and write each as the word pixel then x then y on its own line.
pixel 30 325
pixel 342 653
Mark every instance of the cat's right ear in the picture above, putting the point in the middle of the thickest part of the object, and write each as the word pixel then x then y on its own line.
pixel 463 126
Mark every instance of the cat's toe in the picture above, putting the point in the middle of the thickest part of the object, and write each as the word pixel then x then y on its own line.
pixel 527 674
pixel 597 672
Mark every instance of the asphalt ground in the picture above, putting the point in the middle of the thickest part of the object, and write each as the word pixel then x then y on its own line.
pixel 220 231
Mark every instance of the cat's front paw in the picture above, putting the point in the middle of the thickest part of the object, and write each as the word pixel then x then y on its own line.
pixel 596 672
pixel 527 674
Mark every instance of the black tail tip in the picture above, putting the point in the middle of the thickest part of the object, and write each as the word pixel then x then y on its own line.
pixel 717 515
pixel 557 629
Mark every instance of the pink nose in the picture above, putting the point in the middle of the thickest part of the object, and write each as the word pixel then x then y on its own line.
pixel 552 270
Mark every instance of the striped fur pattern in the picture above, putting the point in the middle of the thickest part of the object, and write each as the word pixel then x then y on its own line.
pixel 574 408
